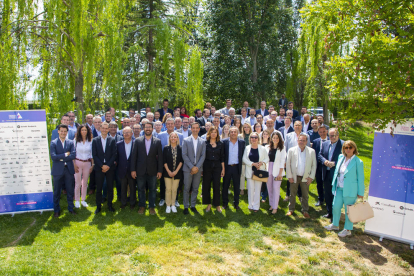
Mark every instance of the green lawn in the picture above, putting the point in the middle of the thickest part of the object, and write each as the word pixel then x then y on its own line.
pixel 231 243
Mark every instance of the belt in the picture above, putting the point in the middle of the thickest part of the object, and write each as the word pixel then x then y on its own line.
pixel 299 175
pixel 88 160
pixel 232 165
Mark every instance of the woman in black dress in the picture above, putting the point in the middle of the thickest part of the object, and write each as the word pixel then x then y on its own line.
pixel 213 168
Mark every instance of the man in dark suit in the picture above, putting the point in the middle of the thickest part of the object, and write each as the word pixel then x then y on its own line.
pixel 283 101
pixel 124 150
pixel 165 109
pixel 104 156
pixel 313 132
pixel 328 156
pixel 295 112
pixel 63 121
pixel 286 129
pixel 97 121
pixel 62 152
pixel 203 120
pixel 146 167
pixel 262 109
pixel 317 146
pixel 233 155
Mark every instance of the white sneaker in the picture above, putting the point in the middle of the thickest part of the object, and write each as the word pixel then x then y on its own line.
pixel 84 204
pixel 177 204
pixel 77 204
pixel 173 209
pixel 168 210
pixel 344 233
pixel 332 227
pixel 162 201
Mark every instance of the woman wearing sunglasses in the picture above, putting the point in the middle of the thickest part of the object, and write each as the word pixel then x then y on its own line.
pixel 347 185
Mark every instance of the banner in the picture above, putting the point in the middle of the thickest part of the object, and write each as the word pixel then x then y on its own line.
pixel 391 189
pixel 25 180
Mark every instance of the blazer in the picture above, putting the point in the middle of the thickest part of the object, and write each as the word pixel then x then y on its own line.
pixel 190 159
pixel 242 145
pixel 188 131
pixel 259 111
pixel 55 134
pixel 263 157
pixel 316 145
pixel 290 138
pixel 94 133
pixel 117 137
pixel 292 163
pixel 57 153
pixel 284 105
pixel 168 159
pixel 309 126
pixel 142 163
pixel 202 121
pixel 324 155
pixel 123 164
pixel 282 130
pixel 161 111
pixel 353 177
pixel 279 162
pixel 109 155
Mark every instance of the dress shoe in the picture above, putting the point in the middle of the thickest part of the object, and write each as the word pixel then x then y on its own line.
pixel 111 209
pixel 132 207
pixel 152 211
pixel 306 215
pixel 225 207
pixel 319 203
pixel 91 192
pixel 141 210
pixel 98 209
pixel 194 210
pixel 186 211
pixel 103 200
pixel 237 207
pixel 289 213
pixel 72 212
pixel 327 216
pixel 56 215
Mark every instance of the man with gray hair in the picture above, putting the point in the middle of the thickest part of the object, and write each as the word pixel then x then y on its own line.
pixel 262 109
pixel 150 117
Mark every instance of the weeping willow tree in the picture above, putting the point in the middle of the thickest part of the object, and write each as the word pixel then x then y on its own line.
pixel 67 42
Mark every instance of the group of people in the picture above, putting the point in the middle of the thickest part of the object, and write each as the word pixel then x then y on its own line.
pixel 257 147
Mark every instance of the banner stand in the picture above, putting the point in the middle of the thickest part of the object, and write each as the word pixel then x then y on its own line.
pixel 382 236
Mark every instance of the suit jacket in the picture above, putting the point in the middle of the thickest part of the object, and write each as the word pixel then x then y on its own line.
pixel 188 131
pixel 109 155
pixel 143 163
pixel 292 163
pixel 353 177
pixel 290 141
pixel 278 125
pixel 324 155
pixel 309 126
pixel 263 157
pixel 282 130
pixel 313 135
pixel 117 137
pixel 55 134
pixel 284 105
pixel 279 162
pixel 94 133
pixel 259 111
pixel 242 146
pixel 123 164
pixel 57 153
pixel 316 145
pixel 164 136
pixel 161 111
pixel 190 159
pixel 168 159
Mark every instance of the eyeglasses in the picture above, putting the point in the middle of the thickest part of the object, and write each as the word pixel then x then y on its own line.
pixel 346 148
pixel 254 137
pixel 333 135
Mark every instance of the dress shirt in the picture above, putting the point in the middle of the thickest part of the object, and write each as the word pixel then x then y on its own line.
pixel 323 140
pixel 262 112
pixel 285 131
pixel 104 144
pixel 83 150
pixel 74 128
pixel 185 133
pixel 252 121
pixel 244 119
pixel 195 147
pixel 128 148
pixel 342 170
pixel 331 151
pixel 301 162
pixel 233 152
pixel 295 140
pixel 214 154
pixel 280 119
pixel 224 111
pixel 97 131
pixel 90 126
pixel 147 144
pixel 305 127
pixel 63 146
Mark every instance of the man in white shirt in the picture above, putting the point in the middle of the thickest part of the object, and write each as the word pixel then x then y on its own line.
pixel 89 121
pixel 244 115
pixel 306 123
pixel 72 125
pixel 267 117
pixel 225 110
pixel 300 171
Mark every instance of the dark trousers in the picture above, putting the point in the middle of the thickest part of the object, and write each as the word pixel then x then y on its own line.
pixel 327 186
pixel 92 183
pixel 232 173
pixel 59 181
pixel 319 183
pixel 288 190
pixel 263 192
pixel 126 182
pixel 152 189
pixel 162 188
pixel 100 178
pixel 118 185
pixel 211 172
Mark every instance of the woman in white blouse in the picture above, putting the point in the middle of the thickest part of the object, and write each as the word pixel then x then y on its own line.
pixel 83 162
pixel 277 157
pixel 255 158
pixel 347 185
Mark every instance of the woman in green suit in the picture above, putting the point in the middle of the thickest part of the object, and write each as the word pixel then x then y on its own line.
pixel 347 185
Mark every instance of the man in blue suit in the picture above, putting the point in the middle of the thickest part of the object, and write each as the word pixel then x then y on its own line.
pixel 233 155
pixel 62 152
pixel 164 110
pixel 124 148
pixel 262 109
pixel 286 129
pixel 328 156
pixel 317 146
pixel 63 121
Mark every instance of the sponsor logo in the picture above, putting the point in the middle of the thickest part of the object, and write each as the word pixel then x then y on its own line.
pixel 15 117
pixel 398 213
pixel 405 208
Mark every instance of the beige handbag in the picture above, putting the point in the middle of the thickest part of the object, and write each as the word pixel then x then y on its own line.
pixel 359 212
pixel 261 175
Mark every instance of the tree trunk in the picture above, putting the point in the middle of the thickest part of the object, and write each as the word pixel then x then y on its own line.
pixel 150 39
pixel 254 79
pixel 79 94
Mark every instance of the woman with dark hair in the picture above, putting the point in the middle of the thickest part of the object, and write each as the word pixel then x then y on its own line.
pixel 213 168
pixel 183 112
pixel 258 128
pixel 237 123
pixel 277 156
pixel 83 162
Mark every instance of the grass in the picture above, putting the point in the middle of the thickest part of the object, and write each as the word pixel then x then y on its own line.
pixel 231 243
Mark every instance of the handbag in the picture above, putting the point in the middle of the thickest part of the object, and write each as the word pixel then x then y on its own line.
pixel 359 212
pixel 260 175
